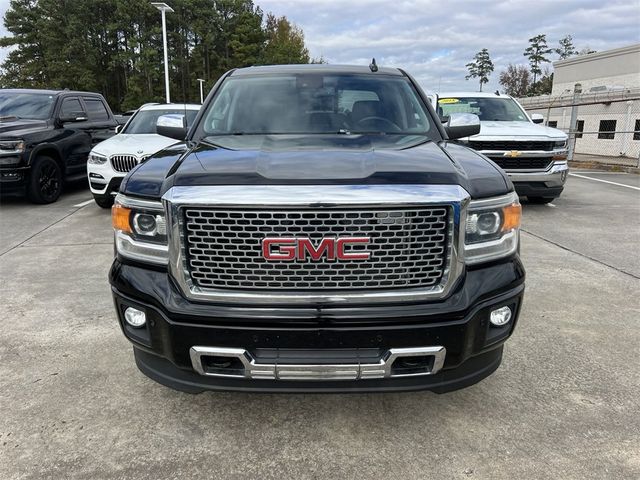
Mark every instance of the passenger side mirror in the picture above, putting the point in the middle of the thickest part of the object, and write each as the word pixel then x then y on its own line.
pixel 537 118
pixel 462 125
pixel 173 125
pixel 118 129
pixel 74 117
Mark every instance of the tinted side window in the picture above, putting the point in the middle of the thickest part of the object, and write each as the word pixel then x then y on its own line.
pixel 70 107
pixel 96 109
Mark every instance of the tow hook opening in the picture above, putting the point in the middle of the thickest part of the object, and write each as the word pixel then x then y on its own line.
pixel 222 365
pixel 412 365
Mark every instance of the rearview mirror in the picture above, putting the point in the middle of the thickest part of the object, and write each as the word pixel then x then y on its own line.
pixel 172 125
pixel 462 125
pixel 537 118
pixel 74 117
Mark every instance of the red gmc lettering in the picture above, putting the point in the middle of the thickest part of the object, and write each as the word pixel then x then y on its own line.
pixel 289 249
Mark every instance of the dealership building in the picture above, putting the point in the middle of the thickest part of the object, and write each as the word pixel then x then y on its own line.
pixel 604 90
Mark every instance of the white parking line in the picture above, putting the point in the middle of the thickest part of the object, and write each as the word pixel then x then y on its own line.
pixel 83 203
pixel 604 181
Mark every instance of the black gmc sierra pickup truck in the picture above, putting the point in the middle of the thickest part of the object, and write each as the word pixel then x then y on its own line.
pixel 316 231
pixel 46 137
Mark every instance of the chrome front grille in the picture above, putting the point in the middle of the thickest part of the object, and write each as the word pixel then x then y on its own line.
pixel 123 163
pixel 409 247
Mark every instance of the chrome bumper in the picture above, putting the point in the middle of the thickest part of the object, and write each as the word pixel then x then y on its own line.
pixel 249 368
pixel 554 176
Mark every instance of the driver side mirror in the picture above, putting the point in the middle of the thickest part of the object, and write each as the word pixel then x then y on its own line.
pixel 537 118
pixel 118 129
pixel 74 117
pixel 462 125
pixel 172 125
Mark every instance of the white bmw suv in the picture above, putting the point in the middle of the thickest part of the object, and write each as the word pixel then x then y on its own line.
pixel 111 160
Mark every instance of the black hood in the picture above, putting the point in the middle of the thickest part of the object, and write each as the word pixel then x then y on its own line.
pixel 13 128
pixel 334 160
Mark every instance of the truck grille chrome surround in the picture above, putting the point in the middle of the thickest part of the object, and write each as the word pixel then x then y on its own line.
pixel 124 163
pixel 248 367
pixel 215 236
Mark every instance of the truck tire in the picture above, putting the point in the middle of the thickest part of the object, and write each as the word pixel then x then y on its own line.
pixel 45 180
pixel 104 201
pixel 541 200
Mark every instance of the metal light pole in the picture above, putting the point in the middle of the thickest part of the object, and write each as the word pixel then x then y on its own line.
pixel 201 81
pixel 164 8
pixel 573 123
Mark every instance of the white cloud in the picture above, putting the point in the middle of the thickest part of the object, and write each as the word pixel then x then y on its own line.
pixel 433 40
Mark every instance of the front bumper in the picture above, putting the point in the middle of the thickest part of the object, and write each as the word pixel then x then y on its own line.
pixel 13 178
pixel 459 325
pixel 548 183
pixel 103 179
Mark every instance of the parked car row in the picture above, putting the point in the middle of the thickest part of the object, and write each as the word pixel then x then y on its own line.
pixel 49 138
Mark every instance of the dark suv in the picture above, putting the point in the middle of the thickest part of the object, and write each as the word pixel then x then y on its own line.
pixel 45 139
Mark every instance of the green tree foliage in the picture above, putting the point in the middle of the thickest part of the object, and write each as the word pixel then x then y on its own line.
pixel 481 67
pixel 285 42
pixel 536 53
pixel 516 80
pixel 566 48
pixel 115 46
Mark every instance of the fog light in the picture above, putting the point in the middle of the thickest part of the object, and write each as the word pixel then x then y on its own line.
pixel 500 316
pixel 135 317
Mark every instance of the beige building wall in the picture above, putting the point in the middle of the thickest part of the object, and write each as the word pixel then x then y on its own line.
pixel 619 67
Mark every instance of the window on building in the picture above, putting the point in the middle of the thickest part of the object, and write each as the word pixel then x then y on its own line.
pixel 552 124
pixel 636 130
pixel 579 128
pixel 607 128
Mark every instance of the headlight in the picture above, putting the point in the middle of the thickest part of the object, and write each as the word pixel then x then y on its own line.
pixel 97 159
pixel 560 144
pixel 140 229
pixel 492 228
pixel 11 147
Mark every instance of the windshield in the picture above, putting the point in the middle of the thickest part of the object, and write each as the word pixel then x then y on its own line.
pixel 316 103
pixel 32 106
pixel 487 108
pixel 144 121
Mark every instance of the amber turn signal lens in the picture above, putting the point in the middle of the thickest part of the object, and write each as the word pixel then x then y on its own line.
pixel 512 215
pixel 120 218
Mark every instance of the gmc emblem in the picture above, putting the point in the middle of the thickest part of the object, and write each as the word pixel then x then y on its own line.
pixel 289 249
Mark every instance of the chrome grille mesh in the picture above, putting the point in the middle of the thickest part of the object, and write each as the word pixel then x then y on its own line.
pixel 123 163
pixel 409 247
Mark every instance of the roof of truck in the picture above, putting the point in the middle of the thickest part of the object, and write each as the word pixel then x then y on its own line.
pixel 48 92
pixel 315 68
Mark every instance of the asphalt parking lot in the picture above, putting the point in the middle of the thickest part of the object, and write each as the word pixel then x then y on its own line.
pixel 564 403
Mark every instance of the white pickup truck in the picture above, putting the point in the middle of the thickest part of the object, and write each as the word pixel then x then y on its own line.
pixel 534 156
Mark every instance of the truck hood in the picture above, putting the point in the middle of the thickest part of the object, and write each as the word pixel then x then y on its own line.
pixel 352 159
pixel 140 145
pixel 16 128
pixel 513 130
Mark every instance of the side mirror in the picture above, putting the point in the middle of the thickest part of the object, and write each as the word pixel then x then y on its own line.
pixel 462 125
pixel 118 129
pixel 172 125
pixel 537 118
pixel 74 117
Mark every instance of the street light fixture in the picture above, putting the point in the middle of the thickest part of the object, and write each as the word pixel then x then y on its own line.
pixel 201 81
pixel 164 8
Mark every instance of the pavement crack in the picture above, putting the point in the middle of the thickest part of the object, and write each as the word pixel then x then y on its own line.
pixel 581 254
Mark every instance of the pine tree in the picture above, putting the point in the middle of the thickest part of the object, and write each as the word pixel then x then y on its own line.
pixel 481 67
pixel 536 52
pixel 566 48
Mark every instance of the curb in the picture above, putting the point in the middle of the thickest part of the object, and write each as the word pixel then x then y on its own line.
pixel 609 167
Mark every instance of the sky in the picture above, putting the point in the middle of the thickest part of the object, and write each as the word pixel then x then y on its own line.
pixel 434 40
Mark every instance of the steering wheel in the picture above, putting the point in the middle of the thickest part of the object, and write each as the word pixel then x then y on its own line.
pixel 392 126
